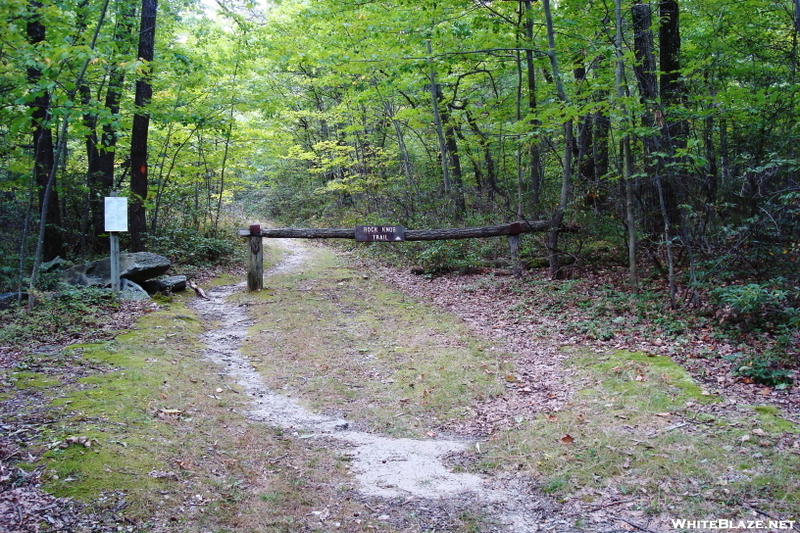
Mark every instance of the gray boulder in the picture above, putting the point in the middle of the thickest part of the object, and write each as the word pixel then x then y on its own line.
pixel 9 299
pixel 137 267
pixel 167 283
pixel 129 290
pixel 55 264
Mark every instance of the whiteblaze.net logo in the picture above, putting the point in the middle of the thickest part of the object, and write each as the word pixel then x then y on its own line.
pixel 732 524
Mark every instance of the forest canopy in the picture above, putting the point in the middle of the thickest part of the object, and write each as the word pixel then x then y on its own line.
pixel 665 131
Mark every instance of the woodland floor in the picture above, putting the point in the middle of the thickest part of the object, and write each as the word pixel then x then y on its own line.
pixel 440 478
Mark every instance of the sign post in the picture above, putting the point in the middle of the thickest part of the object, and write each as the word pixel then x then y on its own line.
pixel 255 260
pixel 116 220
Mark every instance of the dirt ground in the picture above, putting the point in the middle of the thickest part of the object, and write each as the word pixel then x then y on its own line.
pixel 432 478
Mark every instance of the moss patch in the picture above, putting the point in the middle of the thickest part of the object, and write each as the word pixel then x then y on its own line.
pixel 640 429
pixel 32 380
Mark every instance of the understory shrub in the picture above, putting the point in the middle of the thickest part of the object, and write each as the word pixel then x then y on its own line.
pixel 770 305
pixel 72 311
pixel 189 247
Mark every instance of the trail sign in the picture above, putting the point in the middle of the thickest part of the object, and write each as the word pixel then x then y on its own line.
pixel 116 213
pixel 380 233
pixel 116 219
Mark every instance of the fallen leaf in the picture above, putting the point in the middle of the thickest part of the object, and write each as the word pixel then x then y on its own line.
pixel 567 439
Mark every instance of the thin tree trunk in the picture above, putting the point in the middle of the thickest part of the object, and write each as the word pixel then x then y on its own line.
pixel 536 172
pixel 405 160
pixel 457 180
pixel 43 150
pixel 103 182
pixel 437 120
pixel 627 162
pixel 566 176
pixel 225 152
pixel 141 125
pixel 60 150
pixel 668 242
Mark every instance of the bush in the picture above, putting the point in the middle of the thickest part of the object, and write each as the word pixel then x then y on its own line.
pixel 760 304
pixel 66 314
pixel 763 369
pixel 189 247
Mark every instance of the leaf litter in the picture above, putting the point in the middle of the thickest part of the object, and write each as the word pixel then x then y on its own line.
pixel 439 487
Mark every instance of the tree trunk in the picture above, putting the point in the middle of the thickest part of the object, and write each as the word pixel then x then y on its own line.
pixel 88 232
pixel 457 179
pixel 536 172
pixel 104 183
pixel 141 125
pixel 437 120
pixel 43 150
pixel 627 160
pixel 566 175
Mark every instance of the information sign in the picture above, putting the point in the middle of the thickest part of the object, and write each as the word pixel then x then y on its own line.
pixel 116 213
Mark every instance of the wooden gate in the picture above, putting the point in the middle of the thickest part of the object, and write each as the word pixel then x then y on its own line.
pixel 255 235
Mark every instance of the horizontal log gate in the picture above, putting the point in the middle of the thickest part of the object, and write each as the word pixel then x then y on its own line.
pixel 255 234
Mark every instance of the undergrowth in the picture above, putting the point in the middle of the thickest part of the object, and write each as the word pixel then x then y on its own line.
pixel 69 313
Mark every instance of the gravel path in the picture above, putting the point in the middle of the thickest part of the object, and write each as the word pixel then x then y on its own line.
pixel 384 467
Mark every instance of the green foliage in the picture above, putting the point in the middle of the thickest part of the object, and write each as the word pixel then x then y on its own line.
pixel 58 316
pixel 772 304
pixel 188 247
pixel 765 370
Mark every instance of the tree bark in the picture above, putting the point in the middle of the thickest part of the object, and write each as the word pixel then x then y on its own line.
pixel 536 172
pixel 43 149
pixel 141 125
pixel 103 180
pixel 627 160
pixel 566 174
pixel 437 120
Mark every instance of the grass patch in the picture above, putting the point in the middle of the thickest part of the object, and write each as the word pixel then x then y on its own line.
pixel 640 429
pixel 150 421
pixel 35 380
pixel 343 342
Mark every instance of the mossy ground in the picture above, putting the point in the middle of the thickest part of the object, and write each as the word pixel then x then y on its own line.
pixel 168 435
pixel 640 431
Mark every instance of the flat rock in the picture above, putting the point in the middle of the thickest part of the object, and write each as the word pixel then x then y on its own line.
pixel 167 283
pixel 137 267
pixel 129 290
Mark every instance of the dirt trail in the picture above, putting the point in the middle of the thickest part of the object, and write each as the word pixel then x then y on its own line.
pixel 384 467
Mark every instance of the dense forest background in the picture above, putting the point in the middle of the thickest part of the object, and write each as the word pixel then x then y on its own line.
pixel 663 135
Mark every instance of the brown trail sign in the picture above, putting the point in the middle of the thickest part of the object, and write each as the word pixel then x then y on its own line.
pixel 379 233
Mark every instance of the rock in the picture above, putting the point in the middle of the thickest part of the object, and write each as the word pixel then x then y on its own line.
pixel 54 264
pixel 167 283
pixel 137 267
pixel 129 290
pixel 9 300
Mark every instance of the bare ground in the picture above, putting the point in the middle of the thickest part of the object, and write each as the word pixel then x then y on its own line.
pixel 393 473
pixel 417 471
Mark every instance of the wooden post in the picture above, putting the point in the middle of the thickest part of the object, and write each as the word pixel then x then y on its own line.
pixel 513 245
pixel 255 260
pixel 115 281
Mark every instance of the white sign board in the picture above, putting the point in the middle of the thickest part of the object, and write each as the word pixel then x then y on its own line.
pixel 116 213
